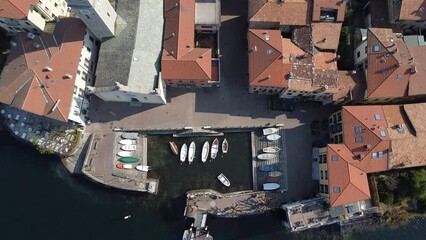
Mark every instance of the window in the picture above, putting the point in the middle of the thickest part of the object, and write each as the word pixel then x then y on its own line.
pixel 358 139
pixel 366 49
pixel 88 49
pixel 86 62
pixel 334 158
pixel 336 189
pixel 383 133
pixel 358 129
pixel 376 48
pixel 326 174
pixel 108 14
pixel 358 54
pixel 78 72
pixel 84 76
pixel 75 89
pixel 80 92
pixel 377 116
pixel 399 76
pixel 91 39
pixel 56 5
pixel 326 189
pixel 377 155
pixel 87 16
pixel 322 175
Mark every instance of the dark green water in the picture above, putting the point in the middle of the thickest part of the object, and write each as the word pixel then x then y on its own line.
pixel 40 200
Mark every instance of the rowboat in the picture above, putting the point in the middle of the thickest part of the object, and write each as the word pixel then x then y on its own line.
pixel 191 152
pixel 124 154
pixel 273 137
pixel 270 186
pixel 275 174
pixel 266 156
pixel 128 147
pixel 142 168
pixel 183 152
pixel 205 151
pixel 271 149
pixel 225 146
pixel 268 168
pixel 174 148
pixel 224 180
pixel 127 142
pixel 124 166
pixel 214 149
pixel 268 131
pixel 129 135
pixel 128 159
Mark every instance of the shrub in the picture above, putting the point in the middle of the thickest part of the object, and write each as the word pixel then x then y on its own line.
pixel 387 197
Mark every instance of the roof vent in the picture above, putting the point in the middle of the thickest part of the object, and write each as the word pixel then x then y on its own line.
pixel 413 70
pixel 391 40
pixel 367 147
pixel 253 49
pixel 30 35
pixel 188 46
pixel 267 37
pixel 360 156
pixel 47 69
pixel 67 76
pixel 36 45
pixel 12 43
pixel 399 35
pixel 353 72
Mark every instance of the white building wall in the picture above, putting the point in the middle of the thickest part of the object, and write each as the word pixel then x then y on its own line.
pixel 324 97
pixel 360 56
pixel 13 26
pixel 124 96
pixel 98 15
pixel 84 76
pixel 52 9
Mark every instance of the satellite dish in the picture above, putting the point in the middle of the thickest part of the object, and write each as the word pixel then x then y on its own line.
pixel 84 11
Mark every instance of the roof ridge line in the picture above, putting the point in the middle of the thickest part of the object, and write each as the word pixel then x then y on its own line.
pixel 340 194
pixel 366 126
pixel 356 185
pixel 385 78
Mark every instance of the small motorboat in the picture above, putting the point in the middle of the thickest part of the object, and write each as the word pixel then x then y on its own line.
pixel 124 154
pixel 271 149
pixel 128 159
pixel 183 152
pixel 273 137
pixel 174 148
pixel 205 151
pixel 268 168
pixel 129 135
pixel 266 156
pixel 142 168
pixel 191 152
pixel 268 131
pixel 275 174
pixel 225 146
pixel 224 180
pixel 214 149
pixel 127 142
pixel 127 217
pixel 270 186
pixel 129 147
pixel 124 166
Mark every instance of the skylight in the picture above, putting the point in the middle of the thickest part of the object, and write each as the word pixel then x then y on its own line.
pixel 358 129
pixel 383 133
pixel 334 158
pixel 336 189
pixel 377 116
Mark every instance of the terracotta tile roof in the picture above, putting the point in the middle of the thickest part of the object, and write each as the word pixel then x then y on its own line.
pixel 302 37
pixel 351 86
pixel 417 83
pixel 413 10
pixel 389 66
pixel 267 65
pixel 289 12
pixel 338 5
pixel 326 35
pixel 181 60
pixel 347 183
pixel 17 9
pixel 26 84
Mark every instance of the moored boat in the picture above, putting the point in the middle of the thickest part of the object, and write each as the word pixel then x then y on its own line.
pixel 128 147
pixel 275 174
pixel 266 156
pixel 224 180
pixel 270 186
pixel 127 142
pixel 268 131
pixel 273 137
pixel 174 148
pixel 205 151
pixel 128 159
pixel 225 146
pixel 129 135
pixel 183 152
pixel 214 149
pixel 124 154
pixel 124 166
pixel 271 149
pixel 268 168
pixel 191 152
pixel 142 168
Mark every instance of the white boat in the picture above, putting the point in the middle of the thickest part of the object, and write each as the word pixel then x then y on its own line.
pixel 191 152
pixel 271 149
pixel 270 186
pixel 127 217
pixel 268 131
pixel 205 151
pixel 224 180
pixel 183 152
pixel 127 142
pixel 225 146
pixel 214 149
pixel 128 147
pixel 129 135
pixel 142 168
pixel 266 156
pixel 273 137
pixel 127 166
pixel 275 174
pixel 124 154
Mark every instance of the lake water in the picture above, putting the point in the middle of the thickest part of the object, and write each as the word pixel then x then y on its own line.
pixel 40 200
